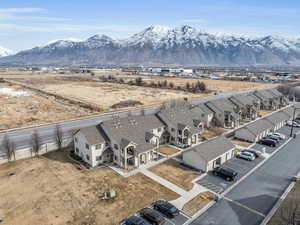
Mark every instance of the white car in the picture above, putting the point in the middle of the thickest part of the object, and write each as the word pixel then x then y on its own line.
pixel 247 156
pixel 281 136
pixel 292 123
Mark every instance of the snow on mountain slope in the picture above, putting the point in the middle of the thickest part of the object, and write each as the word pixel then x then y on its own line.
pixel 163 45
pixel 4 52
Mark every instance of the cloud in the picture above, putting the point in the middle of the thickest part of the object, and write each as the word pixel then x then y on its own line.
pixel 65 28
pixel 20 10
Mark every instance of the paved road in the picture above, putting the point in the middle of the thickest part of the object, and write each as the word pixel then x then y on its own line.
pixel 22 138
pixel 254 197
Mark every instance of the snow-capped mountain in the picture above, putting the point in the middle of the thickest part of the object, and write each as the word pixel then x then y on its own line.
pixel 4 52
pixel 158 45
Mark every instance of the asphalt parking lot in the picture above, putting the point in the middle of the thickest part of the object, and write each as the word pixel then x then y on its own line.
pixel 177 220
pixel 284 130
pixel 219 185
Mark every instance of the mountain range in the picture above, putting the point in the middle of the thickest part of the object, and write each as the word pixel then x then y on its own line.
pixel 4 52
pixel 159 45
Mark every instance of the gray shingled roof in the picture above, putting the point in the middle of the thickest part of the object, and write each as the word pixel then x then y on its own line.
pixel 259 126
pixel 264 94
pixel 93 134
pixel 277 117
pixel 132 129
pixel 213 148
pixel 221 105
pixel 181 115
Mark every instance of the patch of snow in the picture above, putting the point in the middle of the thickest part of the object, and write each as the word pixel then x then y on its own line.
pixel 5 52
pixel 13 93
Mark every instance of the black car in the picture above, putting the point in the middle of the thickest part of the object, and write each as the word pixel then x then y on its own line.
pixel 152 216
pixel 268 142
pixel 276 139
pixel 166 208
pixel 225 173
pixel 135 220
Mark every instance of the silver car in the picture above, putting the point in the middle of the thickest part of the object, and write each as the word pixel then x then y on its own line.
pixel 247 156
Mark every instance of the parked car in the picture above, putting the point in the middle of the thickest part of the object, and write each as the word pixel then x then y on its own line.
pixel 225 173
pixel 268 142
pixel 166 208
pixel 256 153
pixel 292 123
pixel 281 136
pixel 246 155
pixel 152 216
pixel 135 220
pixel 275 138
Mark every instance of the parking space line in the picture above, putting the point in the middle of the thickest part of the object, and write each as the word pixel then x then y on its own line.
pixel 245 207
pixel 213 187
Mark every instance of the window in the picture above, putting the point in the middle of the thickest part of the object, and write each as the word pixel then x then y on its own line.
pixel 98 158
pixel 116 146
pixel 87 146
pixel 87 157
pixel 76 140
pixel 116 158
pixel 172 139
pixel 76 150
pixel 172 129
pixel 98 146
pixel 179 132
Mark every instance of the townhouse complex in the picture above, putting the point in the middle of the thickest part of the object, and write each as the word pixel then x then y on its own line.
pixel 132 141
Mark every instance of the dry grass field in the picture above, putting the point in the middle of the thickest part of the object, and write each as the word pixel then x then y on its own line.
pixel 288 212
pixel 241 143
pixel 51 191
pixel 218 85
pixel 105 95
pixel 32 109
pixel 176 174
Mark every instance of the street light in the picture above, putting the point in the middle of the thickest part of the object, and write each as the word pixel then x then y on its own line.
pixel 292 129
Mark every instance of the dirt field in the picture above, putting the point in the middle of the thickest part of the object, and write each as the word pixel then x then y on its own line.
pixel 167 150
pixel 289 206
pixel 212 132
pixel 32 109
pixel 176 174
pixel 219 85
pixel 104 94
pixel 264 113
pixel 51 191
pixel 197 203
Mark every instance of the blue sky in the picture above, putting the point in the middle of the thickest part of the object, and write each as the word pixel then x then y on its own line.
pixel 26 24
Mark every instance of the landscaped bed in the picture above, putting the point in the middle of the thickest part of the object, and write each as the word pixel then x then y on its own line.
pixel 167 150
pixel 177 174
pixel 241 143
pixel 197 203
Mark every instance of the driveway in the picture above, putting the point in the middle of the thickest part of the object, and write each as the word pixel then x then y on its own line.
pixel 254 197
pixel 219 185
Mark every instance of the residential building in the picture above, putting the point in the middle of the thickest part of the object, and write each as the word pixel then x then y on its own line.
pixel 91 145
pixel 206 115
pixel 133 139
pixel 247 105
pixel 182 123
pixel 226 114
pixel 268 101
pixel 210 154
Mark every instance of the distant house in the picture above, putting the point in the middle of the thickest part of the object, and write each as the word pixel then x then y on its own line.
pixel 225 112
pixel 278 119
pixel 133 139
pixel 91 145
pixel 210 154
pixel 247 105
pixel 183 124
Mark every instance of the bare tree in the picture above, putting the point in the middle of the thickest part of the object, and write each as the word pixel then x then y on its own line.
pixel 9 148
pixel 58 137
pixel 36 143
